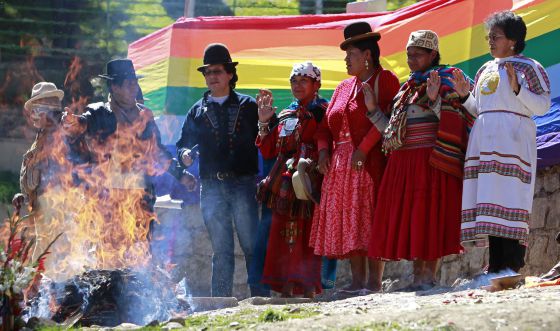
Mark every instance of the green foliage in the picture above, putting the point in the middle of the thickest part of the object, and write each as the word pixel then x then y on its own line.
pixel 396 4
pixel 9 185
pixel 271 315
pixel 263 7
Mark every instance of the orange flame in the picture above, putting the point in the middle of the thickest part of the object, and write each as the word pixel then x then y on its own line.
pixel 100 207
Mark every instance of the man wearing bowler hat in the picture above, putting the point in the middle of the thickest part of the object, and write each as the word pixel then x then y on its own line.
pixel 124 143
pixel 223 124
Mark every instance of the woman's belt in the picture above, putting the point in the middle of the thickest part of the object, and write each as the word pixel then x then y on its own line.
pixel 504 111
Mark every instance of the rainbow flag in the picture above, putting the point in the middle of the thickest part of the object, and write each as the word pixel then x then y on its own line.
pixel 267 47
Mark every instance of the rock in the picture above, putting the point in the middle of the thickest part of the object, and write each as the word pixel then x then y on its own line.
pixel 551 181
pixel 553 216
pixel 537 249
pixel 476 258
pixel 538 215
pixel 35 323
pixel 172 326
pixel 294 310
pixel 539 183
pixel 179 320
pixel 153 323
pixel 127 326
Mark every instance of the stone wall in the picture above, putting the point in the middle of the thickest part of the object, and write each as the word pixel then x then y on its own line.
pixel 543 251
pixel 192 245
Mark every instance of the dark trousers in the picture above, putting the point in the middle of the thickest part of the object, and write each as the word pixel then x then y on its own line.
pixel 505 253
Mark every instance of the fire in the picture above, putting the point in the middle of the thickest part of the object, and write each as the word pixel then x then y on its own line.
pixel 104 214
pixel 97 198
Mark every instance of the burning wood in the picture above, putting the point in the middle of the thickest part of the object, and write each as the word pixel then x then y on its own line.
pixel 112 297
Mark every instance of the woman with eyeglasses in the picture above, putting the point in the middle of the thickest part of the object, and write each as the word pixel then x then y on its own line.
pixel 290 266
pixel 500 167
pixel 418 214
pixel 351 159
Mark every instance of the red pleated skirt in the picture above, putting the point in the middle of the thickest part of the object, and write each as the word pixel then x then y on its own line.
pixel 289 257
pixel 418 214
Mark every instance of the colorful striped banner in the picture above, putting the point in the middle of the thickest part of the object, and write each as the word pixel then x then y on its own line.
pixel 266 47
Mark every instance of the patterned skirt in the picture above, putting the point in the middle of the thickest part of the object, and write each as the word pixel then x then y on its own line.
pixel 499 181
pixel 342 221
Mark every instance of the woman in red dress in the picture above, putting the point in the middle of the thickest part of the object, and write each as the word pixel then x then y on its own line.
pixel 351 159
pixel 290 265
pixel 419 202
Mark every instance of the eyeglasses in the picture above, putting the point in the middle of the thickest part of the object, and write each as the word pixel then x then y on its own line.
pixel 39 109
pixel 217 72
pixel 494 37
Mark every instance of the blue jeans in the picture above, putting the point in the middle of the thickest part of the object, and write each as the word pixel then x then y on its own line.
pixel 224 202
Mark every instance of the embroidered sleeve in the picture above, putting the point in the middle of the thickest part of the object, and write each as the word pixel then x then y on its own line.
pixel 435 106
pixel 534 91
pixel 379 120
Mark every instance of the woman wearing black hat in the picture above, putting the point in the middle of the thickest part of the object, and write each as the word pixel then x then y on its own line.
pixel 350 156
pixel 418 207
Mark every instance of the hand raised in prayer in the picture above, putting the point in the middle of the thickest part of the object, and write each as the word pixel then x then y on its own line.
pixel 369 97
pixel 433 85
pixel 460 83
pixel 264 103
pixel 512 77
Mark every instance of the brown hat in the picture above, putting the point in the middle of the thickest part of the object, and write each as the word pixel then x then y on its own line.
pixel 356 32
pixel 216 54
pixel 43 90
pixel 301 181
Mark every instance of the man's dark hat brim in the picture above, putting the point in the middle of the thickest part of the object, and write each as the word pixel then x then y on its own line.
pixel 202 68
pixel 370 35
pixel 120 69
pixel 216 53
pixel 113 77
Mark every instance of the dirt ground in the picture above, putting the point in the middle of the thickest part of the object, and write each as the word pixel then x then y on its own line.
pixel 517 309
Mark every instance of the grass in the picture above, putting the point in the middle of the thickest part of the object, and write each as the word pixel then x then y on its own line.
pixel 247 317
pixel 9 185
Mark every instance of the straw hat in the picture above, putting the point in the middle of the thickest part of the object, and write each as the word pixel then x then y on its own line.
pixel 43 90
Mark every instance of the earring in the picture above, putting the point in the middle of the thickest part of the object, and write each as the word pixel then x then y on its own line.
pixel 367 65
pixel 512 48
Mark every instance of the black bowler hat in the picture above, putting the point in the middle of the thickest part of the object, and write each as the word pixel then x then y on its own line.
pixel 120 69
pixel 216 54
pixel 356 32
